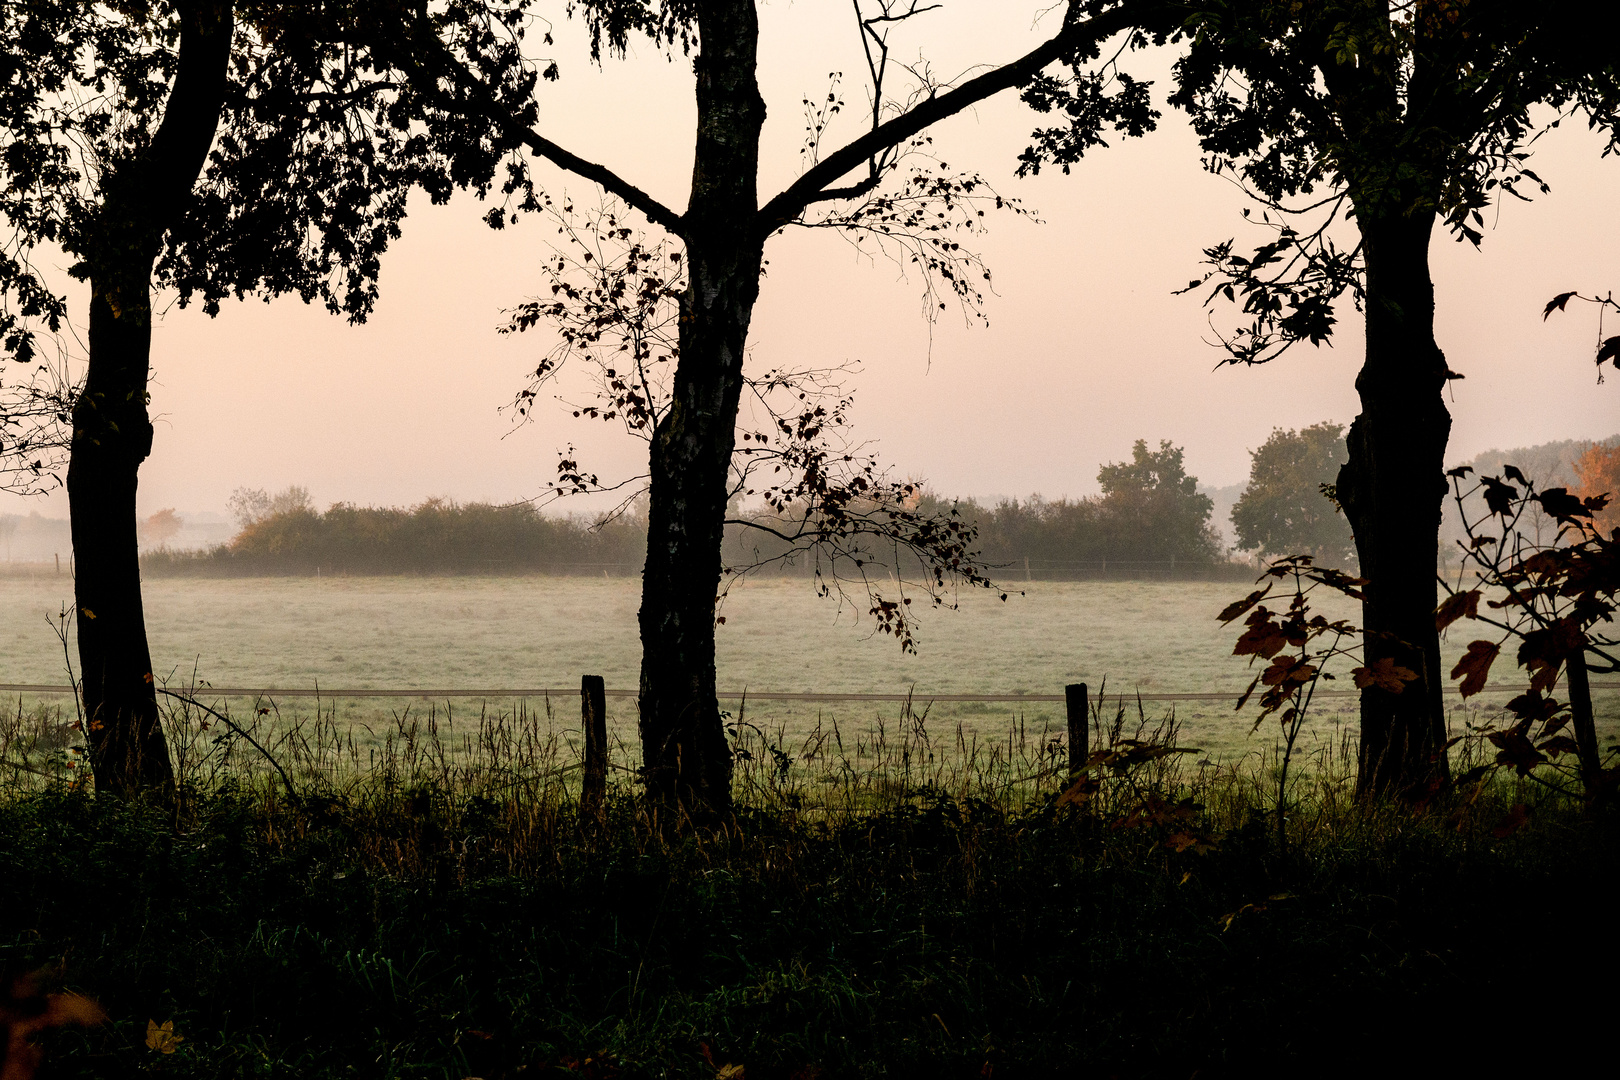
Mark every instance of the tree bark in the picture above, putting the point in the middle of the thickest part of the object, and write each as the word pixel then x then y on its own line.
pixel 1392 490
pixel 686 761
pixel 142 198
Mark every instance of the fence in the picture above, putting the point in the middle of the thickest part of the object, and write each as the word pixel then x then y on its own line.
pixel 427 694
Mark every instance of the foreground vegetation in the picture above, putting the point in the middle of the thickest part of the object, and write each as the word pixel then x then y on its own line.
pixel 443 912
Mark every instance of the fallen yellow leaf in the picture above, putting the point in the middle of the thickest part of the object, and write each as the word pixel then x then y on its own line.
pixel 163 1039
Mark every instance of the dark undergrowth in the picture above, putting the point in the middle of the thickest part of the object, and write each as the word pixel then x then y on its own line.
pixel 398 931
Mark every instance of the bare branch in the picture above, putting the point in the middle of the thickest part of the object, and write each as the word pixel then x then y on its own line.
pixel 1075 34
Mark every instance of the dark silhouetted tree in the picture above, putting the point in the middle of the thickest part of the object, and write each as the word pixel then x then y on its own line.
pixel 1395 115
pixel 722 231
pixel 214 149
pixel 1284 510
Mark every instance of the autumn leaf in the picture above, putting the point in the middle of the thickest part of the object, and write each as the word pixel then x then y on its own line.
pixel 162 1039
pixel 1233 610
pixel 1558 744
pixel 1516 819
pixel 1533 707
pixel 1244 700
pixel 1263 638
pixel 1543 651
pixel 25 1011
pixel 1457 606
pixel 1560 505
pixel 1499 497
pixel 1287 671
pixel 1475 666
pixel 1513 748
pixel 1384 674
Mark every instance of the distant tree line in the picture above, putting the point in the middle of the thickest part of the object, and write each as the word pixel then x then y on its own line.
pixel 1149 513
pixel 286 535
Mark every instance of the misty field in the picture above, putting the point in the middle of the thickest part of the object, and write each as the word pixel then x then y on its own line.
pixel 531 632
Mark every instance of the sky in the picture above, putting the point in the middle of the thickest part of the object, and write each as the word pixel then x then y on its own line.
pixel 1087 349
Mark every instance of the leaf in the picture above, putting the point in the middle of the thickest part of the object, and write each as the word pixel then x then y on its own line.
pixel 1475 666
pixel 1556 304
pixel 1558 744
pixel 1263 638
pixel 1460 471
pixel 1457 606
pixel 1287 672
pixel 162 1039
pixel 1499 497
pixel 1610 351
pixel 1517 818
pixel 1233 610
pixel 1244 700
pixel 1533 707
pixel 1514 749
pixel 1385 674
pixel 1562 506
pixel 26 1010
pixel 1512 473
pixel 1543 651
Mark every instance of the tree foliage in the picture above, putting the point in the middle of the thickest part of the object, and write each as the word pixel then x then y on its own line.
pixel 1371 110
pixel 1286 507
pixel 1598 472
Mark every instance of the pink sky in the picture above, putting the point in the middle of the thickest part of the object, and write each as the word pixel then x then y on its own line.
pixel 1086 351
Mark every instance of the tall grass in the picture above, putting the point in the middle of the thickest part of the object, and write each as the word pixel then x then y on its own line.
pixel 893 900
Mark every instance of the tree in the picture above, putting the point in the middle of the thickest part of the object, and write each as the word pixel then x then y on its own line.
pixel 1285 510
pixel 722 232
pixel 161 527
pixel 1599 472
pixel 1151 505
pixel 1395 115
pixel 215 149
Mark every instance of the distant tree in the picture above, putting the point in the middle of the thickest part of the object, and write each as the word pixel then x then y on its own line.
pixel 1284 510
pixel 250 506
pixel 161 526
pixel 1152 507
pixel 1598 471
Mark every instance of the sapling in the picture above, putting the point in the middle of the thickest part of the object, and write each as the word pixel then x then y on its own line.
pixel 1300 645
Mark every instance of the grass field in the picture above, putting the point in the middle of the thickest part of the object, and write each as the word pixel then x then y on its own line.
pixel 470 632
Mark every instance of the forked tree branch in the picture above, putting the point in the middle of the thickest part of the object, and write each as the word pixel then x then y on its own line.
pixel 811 187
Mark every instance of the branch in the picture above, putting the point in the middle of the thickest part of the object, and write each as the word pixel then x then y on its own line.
pixel 810 187
pixel 448 67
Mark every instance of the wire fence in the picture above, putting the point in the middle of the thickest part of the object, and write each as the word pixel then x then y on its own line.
pixel 439 694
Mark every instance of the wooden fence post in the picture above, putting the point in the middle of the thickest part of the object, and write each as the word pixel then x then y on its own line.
pixel 593 714
pixel 1079 725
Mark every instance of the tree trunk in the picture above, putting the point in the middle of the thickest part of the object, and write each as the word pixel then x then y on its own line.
pixel 686 760
pixel 1584 725
pixel 112 435
pixel 142 198
pixel 1392 490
